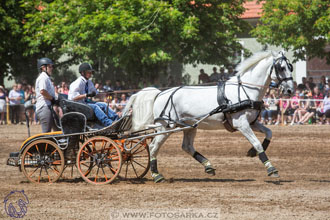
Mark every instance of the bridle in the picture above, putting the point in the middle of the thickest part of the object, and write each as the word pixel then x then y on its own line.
pixel 277 65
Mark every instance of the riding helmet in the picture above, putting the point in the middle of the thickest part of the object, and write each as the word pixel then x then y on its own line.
pixel 44 61
pixel 85 67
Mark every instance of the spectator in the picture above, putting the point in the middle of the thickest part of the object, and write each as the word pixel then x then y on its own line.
pixel 203 77
pixel 223 76
pixel 311 83
pixel 21 91
pixel 270 108
pixel 302 86
pixel 118 86
pixel 29 105
pixel 317 95
pixel 115 103
pixel 64 88
pixel 230 71
pixel 284 110
pixel 3 101
pixel 325 108
pixel 107 86
pixel 294 106
pixel 15 97
pixel 322 84
pixel 215 76
pixel 308 111
pixel 122 104
pixel 327 86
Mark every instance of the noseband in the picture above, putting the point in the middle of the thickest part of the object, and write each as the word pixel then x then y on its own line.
pixel 277 66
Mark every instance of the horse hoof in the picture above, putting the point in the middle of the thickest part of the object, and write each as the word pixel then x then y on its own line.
pixel 158 178
pixel 251 153
pixel 210 170
pixel 272 172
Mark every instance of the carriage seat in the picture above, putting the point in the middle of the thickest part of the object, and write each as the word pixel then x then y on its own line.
pixel 72 106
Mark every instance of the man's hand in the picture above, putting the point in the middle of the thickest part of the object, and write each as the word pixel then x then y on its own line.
pixel 92 94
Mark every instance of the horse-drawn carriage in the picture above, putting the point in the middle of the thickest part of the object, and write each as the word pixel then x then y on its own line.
pixel 100 154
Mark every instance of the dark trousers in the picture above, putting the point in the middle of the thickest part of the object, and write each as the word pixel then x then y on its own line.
pixel 15 113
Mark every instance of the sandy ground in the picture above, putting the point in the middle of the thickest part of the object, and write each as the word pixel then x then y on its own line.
pixel 239 190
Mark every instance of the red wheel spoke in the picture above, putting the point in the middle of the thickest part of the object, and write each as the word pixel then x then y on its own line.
pixel 53 152
pixel 97 173
pixel 46 147
pixel 39 175
pixel 37 148
pixel 57 162
pixel 106 179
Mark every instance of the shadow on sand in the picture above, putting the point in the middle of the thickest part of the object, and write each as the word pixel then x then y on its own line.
pixel 210 180
pixel 279 182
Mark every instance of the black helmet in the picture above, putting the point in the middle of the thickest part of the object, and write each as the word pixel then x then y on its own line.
pixel 85 66
pixel 44 61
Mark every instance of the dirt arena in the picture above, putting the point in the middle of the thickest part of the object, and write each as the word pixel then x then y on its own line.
pixel 239 190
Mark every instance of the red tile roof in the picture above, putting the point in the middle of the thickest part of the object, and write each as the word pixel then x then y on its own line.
pixel 253 9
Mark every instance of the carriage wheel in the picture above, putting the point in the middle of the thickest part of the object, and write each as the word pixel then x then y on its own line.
pixel 102 163
pixel 42 161
pixel 136 163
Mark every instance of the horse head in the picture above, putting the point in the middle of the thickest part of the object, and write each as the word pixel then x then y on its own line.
pixel 281 73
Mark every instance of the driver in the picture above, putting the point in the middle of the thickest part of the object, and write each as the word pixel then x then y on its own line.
pixel 83 88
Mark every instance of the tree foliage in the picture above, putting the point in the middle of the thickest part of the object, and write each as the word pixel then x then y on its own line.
pixel 135 35
pixel 12 45
pixel 301 25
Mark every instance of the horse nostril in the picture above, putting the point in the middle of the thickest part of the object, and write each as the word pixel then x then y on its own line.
pixel 289 91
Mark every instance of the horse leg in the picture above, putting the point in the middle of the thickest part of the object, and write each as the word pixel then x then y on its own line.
pixel 188 147
pixel 246 130
pixel 154 147
pixel 259 127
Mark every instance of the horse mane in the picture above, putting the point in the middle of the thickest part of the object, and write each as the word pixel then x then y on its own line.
pixel 251 61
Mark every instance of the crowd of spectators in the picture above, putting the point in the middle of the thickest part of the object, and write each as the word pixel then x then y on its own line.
pixel 19 101
pixel 310 104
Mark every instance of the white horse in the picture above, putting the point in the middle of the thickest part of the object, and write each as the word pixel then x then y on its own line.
pixel 189 104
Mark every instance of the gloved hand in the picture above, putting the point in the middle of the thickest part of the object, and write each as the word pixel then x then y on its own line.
pixel 92 94
pixel 55 101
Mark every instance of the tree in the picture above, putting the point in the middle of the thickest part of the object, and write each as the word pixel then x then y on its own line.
pixel 300 25
pixel 13 57
pixel 138 36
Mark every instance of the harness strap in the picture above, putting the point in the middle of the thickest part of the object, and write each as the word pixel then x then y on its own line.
pixel 170 99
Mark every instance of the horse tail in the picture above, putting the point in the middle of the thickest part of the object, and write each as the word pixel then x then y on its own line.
pixel 142 105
